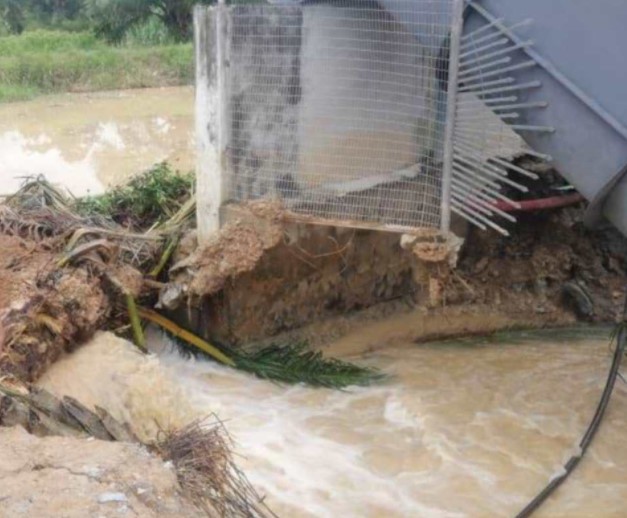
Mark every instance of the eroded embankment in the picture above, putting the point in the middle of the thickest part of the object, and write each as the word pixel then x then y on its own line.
pixel 64 277
pixel 318 282
pixel 263 278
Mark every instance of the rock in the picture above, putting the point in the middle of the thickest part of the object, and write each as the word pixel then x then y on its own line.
pixel 171 296
pixel 111 497
pixel 577 297
pixel 481 265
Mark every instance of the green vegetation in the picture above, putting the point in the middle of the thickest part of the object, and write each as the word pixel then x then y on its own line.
pixel 50 46
pixel 44 61
pixel 18 15
pixel 148 199
pixel 292 363
pixel 112 19
pixel 299 364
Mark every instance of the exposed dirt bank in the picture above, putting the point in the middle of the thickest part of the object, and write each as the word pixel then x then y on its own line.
pixel 74 478
pixel 45 311
pixel 318 282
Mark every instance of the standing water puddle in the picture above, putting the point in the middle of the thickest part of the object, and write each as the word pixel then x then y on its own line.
pixel 461 428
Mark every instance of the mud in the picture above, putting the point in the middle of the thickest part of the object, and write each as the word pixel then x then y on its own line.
pixel 550 271
pixel 45 311
pixel 536 268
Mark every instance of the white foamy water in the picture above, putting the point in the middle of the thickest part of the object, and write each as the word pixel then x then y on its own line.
pixel 459 430
pixel 22 158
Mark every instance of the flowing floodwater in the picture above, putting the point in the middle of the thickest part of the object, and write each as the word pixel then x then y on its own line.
pixel 87 142
pixel 465 428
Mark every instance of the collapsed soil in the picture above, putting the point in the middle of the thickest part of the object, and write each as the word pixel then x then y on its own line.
pixel 550 271
pixel 551 263
pixel 45 311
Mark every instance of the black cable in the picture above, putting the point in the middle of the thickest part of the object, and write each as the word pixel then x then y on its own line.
pixel 593 427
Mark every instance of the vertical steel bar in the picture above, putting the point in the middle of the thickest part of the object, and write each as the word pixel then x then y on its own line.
pixel 554 71
pixel 457 21
pixel 223 118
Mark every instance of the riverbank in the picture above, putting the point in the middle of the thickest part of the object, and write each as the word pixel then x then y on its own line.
pixel 43 61
pixel 471 427
pixel 475 425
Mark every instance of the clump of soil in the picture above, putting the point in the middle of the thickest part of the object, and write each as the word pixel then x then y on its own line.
pixel 234 250
pixel 551 262
pixel 45 311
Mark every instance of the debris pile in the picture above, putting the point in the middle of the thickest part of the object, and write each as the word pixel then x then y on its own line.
pixel 74 272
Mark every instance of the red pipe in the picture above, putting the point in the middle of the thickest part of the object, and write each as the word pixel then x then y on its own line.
pixel 540 203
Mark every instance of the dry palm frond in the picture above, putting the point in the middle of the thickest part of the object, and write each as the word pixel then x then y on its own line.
pixel 185 214
pixel 36 193
pixel 41 411
pixel 39 210
pixel 202 458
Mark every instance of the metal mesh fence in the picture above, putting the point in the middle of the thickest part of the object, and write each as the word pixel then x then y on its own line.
pixel 491 108
pixel 338 108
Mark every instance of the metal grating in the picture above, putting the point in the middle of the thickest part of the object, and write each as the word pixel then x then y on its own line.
pixel 338 109
pixel 490 114
pixel 391 114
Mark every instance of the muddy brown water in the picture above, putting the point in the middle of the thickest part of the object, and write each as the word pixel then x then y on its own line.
pixel 87 142
pixel 462 429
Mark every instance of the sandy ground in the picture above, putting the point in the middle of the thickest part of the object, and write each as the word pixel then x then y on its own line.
pixel 74 478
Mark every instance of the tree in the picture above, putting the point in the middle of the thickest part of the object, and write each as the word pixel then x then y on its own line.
pixel 12 15
pixel 15 15
pixel 52 10
pixel 113 18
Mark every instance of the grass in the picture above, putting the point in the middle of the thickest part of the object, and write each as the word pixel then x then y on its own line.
pixel 145 201
pixel 151 32
pixel 43 61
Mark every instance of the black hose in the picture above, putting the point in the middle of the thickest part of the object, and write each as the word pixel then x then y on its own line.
pixel 593 427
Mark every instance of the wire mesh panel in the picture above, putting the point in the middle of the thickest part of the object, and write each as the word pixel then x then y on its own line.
pixel 338 109
pixel 491 109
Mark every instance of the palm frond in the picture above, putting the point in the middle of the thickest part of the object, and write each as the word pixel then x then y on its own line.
pixel 299 364
pixel 285 364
